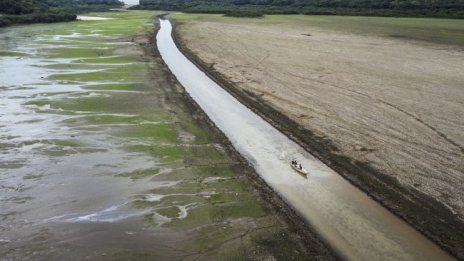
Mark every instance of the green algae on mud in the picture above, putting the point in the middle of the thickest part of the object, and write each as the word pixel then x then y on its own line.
pixel 115 86
pixel 115 59
pixel 117 125
pixel 12 53
pixel 139 173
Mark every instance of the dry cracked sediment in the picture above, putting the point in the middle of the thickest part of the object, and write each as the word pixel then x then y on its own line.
pixel 385 113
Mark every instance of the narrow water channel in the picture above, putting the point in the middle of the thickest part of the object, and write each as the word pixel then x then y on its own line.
pixel 353 224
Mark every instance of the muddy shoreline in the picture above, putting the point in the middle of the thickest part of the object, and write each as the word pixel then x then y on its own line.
pixel 104 159
pixel 422 212
pixel 316 248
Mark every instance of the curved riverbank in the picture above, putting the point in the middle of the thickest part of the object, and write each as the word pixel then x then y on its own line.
pixel 421 211
pixel 355 225
pixel 315 246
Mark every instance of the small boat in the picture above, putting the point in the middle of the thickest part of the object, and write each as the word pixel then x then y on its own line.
pixel 297 168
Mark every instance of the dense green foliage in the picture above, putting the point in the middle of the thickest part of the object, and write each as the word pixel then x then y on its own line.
pixel 36 18
pixel 47 11
pixel 244 13
pixel 19 7
pixel 431 8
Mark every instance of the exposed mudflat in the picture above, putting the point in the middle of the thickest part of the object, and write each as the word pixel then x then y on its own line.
pixel 390 109
pixel 104 158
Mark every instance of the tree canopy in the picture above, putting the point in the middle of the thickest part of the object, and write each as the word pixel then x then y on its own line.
pixel 438 8
pixel 20 7
pixel 48 11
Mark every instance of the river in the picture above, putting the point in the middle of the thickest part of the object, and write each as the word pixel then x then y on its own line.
pixel 352 223
pixel 101 158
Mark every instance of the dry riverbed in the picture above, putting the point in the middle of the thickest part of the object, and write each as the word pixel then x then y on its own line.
pixel 380 100
pixel 104 157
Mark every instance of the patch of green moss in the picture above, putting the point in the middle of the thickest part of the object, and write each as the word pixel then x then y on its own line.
pixel 189 124
pixel 181 191
pixel 142 119
pixel 117 74
pixel 226 197
pixel 84 104
pixel 219 170
pixel 142 204
pixel 32 176
pixel 76 52
pixel 13 53
pixel 75 66
pixel 65 143
pixel 99 76
pixel 276 242
pixel 162 132
pixel 138 174
pixel 196 217
pixel 115 86
pixel 170 212
pixel 114 59
pixel 240 209
pixel 168 153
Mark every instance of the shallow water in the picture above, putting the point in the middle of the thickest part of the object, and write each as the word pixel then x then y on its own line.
pixel 46 164
pixel 100 158
pixel 353 224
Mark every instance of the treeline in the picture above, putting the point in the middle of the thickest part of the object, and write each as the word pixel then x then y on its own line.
pixel 416 8
pixel 6 20
pixel 244 13
pixel 49 11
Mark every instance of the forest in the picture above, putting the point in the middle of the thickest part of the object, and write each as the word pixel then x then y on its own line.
pixel 415 8
pixel 48 11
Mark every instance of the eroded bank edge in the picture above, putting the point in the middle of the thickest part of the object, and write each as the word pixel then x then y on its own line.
pixel 424 213
pixel 317 248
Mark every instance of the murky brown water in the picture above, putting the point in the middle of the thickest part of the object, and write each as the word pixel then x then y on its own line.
pixel 355 225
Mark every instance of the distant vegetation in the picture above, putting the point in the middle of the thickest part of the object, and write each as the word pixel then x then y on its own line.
pixel 244 13
pixel 6 20
pixel 48 11
pixel 415 8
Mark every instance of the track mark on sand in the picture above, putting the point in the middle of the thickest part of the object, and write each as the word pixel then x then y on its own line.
pixel 439 133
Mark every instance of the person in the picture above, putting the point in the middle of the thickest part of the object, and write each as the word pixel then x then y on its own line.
pixel 299 166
